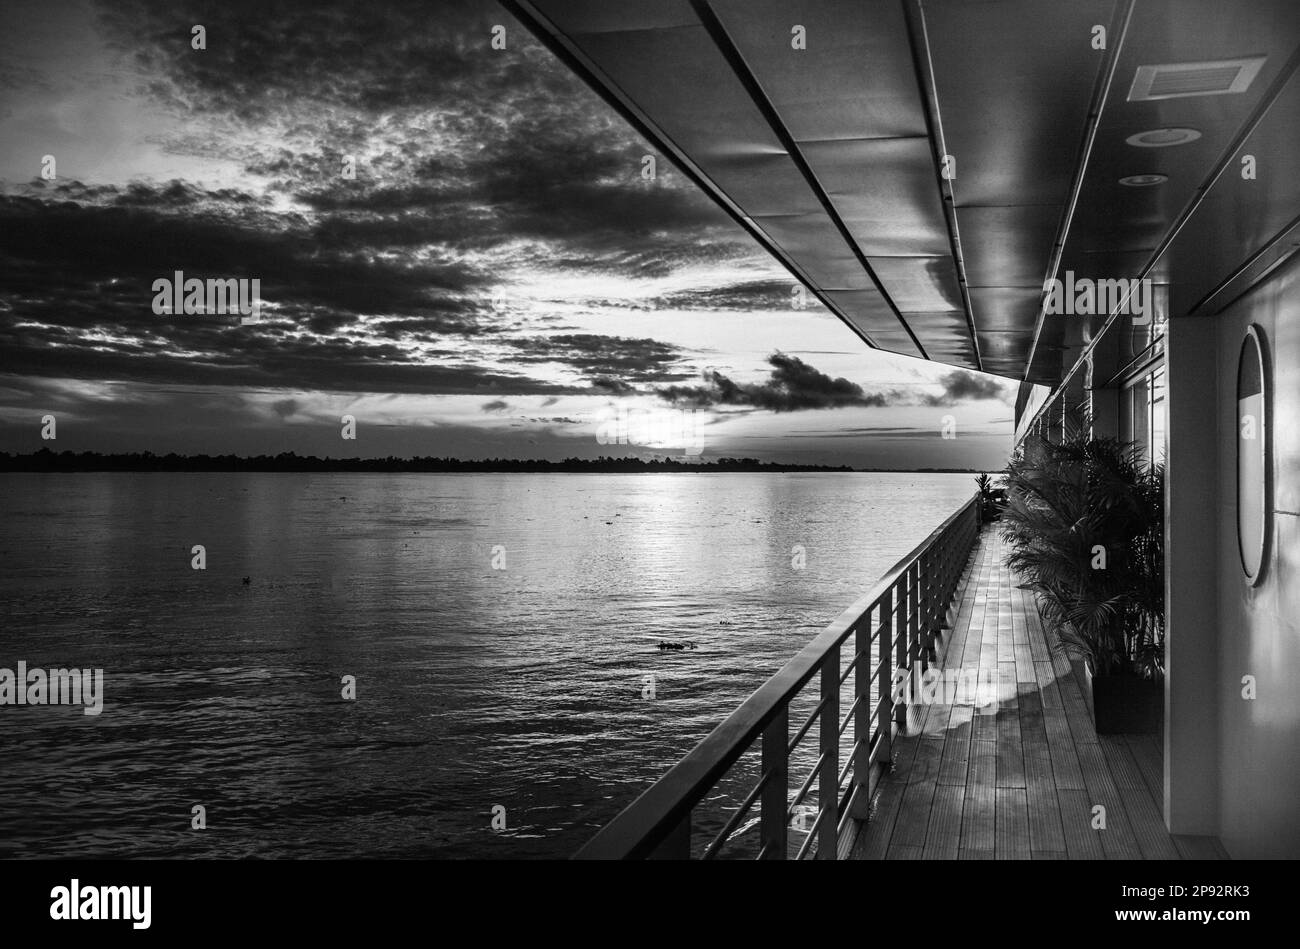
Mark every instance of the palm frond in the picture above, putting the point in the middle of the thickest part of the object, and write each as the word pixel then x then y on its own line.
pixel 1071 506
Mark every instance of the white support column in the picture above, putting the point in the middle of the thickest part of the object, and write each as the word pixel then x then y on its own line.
pixel 1191 581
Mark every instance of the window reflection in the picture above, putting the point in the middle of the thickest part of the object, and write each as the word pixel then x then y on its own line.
pixel 1142 415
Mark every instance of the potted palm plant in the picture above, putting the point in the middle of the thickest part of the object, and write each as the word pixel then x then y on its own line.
pixel 1084 521
pixel 992 498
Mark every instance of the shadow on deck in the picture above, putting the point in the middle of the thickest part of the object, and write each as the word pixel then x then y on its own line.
pixel 1021 778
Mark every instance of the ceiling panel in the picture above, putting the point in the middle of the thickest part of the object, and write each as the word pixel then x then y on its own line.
pixel 1007 246
pixel 848 108
pixel 895 341
pixel 855 77
pixel 816 246
pixel 867 310
pixel 851 103
pixel 1004 353
pixel 1005 309
pixel 920 284
pixel 886 192
pixel 704 109
pixel 602 16
pixel 1013 122
pixel 766 183
pixel 1117 229
pixel 1014 79
pixel 826 151
pixel 946 336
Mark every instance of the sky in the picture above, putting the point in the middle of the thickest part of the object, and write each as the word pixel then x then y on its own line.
pixel 497 277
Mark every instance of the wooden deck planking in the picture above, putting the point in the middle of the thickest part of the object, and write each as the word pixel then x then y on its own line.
pixel 1032 726
pixel 1060 745
pixel 1021 780
pixel 977 819
pixel 1143 813
pixel 873 835
pixel 1199 848
pixel 1082 841
pixel 1045 831
pixel 1011 827
pixel 1150 761
pixel 943 835
pixel 1118 839
pixel 913 819
pixel 873 840
pixel 956 749
pixel 1011 762
pixel 1048 693
pixel 1037 641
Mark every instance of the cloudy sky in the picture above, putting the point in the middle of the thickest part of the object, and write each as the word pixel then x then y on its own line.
pixel 498 278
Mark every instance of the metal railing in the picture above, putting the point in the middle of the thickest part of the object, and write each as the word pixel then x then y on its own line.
pixel 894 626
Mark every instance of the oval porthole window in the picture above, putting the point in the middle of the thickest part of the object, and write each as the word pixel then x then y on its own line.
pixel 1252 455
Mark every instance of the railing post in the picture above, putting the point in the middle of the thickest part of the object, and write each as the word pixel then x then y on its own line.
pixel 929 600
pixel 773 802
pixel 914 615
pixel 885 688
pixel 828 782
pixel 905 607
pixel 902 660
pixel 950 548
pixel 863 715
pixel 941 590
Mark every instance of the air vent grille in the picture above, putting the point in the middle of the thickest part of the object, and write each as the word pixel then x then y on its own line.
pixel 1176 80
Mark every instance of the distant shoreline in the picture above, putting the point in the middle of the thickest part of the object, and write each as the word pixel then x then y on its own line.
pixel 67 461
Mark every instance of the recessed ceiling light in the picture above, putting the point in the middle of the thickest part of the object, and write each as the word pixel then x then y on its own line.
pixel 1143 181
pixel 1162 138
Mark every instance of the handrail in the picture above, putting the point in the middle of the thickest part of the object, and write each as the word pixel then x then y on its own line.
pixel 657 823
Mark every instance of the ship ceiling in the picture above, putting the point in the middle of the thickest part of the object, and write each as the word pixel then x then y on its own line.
pixel 926 167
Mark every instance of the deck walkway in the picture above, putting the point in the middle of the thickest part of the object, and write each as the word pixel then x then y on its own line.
pixel 1020 779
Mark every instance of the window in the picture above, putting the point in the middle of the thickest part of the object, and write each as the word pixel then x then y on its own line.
pixel 1157 401
pixel 1142 414
pixel 1252 455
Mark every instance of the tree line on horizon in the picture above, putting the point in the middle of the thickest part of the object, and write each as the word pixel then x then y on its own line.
pixel 46 460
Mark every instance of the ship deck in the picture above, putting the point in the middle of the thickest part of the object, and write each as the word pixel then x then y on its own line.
pixel 1022 778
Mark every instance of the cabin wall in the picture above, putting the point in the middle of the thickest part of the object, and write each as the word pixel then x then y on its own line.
pixel 1192 495
pixel 1259 628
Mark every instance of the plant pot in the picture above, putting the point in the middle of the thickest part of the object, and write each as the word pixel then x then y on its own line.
pixel 1083 676
pixel 1126 704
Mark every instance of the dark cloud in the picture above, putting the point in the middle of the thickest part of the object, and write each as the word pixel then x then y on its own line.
pixel 459 143
pixel 961 386
pixel 750 295
pixel 612 386
pixel 792 386
pixel 186 420
pixel 496 406
pixel 472 164
pixel 614 363
pixel 286 407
